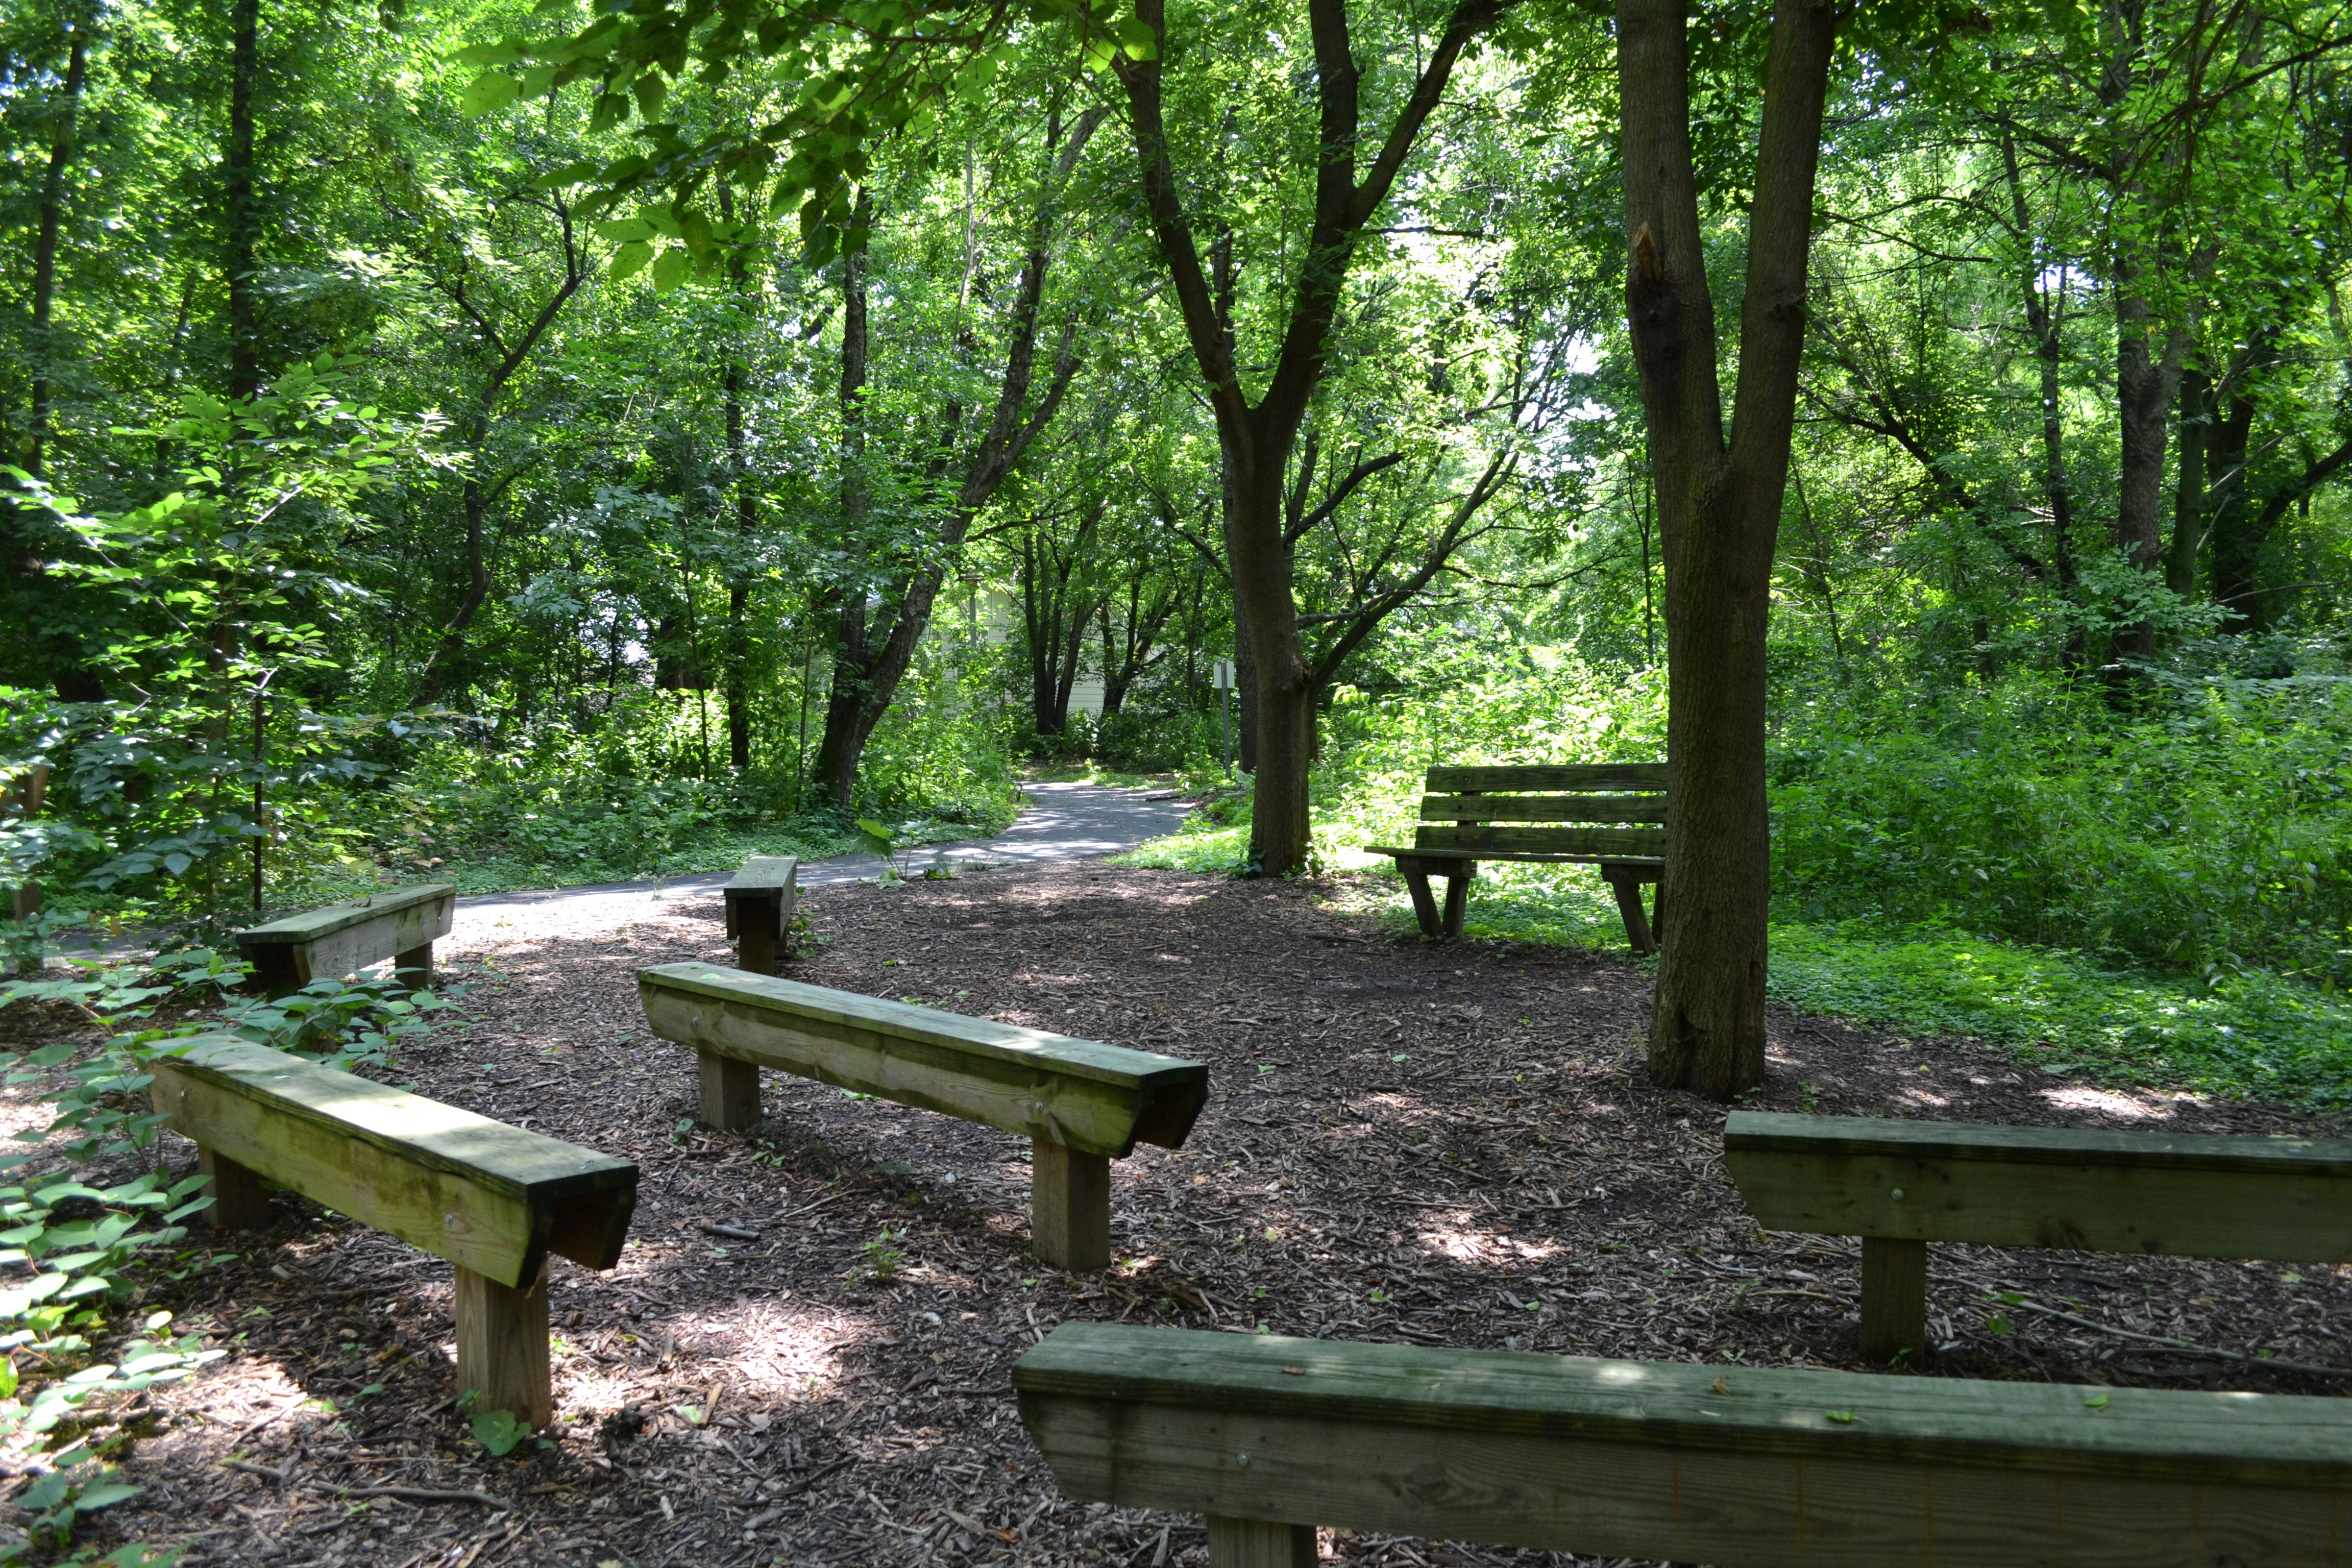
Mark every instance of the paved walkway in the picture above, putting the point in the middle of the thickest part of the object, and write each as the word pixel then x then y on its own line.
pixel 1057 822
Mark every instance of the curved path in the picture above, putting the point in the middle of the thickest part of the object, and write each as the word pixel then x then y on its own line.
pixel 1057 822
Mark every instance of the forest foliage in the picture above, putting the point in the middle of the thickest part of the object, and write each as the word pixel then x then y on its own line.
pixel 527 444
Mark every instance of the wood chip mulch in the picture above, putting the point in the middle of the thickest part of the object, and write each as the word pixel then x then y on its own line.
pixel 1444 1145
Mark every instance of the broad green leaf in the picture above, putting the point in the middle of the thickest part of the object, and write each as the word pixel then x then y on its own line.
pixel 489 91
pixel 669 269
pixel 631 260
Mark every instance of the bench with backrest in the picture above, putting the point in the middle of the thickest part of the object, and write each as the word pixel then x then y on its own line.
pixel 1742 1466
pixel 1082 1103
pixel 1609 814
pixel 1899 1185
pixel 494 1200
pixel 760 910
pixel 401 925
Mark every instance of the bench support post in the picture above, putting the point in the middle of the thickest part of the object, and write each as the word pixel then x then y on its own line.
pixel 240 1201
pixel 1457 897
pixel 1256 1543
pixel 1893 1298
pixel 755 948
pixel 1626 881
pixel 731 1093
pixel 414 968
pixel 502 1346
pixel 1069 1223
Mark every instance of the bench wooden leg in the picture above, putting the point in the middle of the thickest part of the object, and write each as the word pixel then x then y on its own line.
pixel 414 968
pixel 731 1093
pixel 1069 1223
pixel 1424 907
pixel 502 1346
pixel 239 1200
pixel 755 949
pixel 1893 1298
pixel 1256 1543
pixel 1629 905
pixel 1457 897
pixel 277 971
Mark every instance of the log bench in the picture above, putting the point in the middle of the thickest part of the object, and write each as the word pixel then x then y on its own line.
pixel 341 939
pixel 494 1200
pixel 1900 1184
pixel 1473 814
pixel 759 900
pixel 1740 1467
pixel 1082 1104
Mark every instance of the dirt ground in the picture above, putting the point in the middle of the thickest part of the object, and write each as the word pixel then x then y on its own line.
pixel 1442 1146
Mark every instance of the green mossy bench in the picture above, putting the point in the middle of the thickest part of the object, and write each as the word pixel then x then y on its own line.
pixel 401 925
pixel 759 900
pixel 1740 1467
pixel 1082 1103
pixel 1902 1184
pixel 1464 806
pixel 494 1200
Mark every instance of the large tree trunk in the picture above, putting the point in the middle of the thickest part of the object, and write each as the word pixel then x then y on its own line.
pixel 45 244
pixel 846 733
pixel 240 221
pixel 739 590
pixel 2188 490
pixel 1720 510
pixel 2048 353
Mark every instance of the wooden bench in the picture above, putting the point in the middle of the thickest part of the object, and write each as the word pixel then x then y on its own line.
pixel 1463 808
pixel 1741 1467
pixel 401 925
pixel 1081 1104
pixel 1902 1184
pixel 760 910
pixel 494 1200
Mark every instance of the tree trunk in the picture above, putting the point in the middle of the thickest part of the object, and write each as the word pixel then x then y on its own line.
pixel 2147 381
pixel 2189 488
pixel 240 221
pixel 1718 511
pixel 2049 353
pixel 45 244
pixel 846 733
pixel 739 591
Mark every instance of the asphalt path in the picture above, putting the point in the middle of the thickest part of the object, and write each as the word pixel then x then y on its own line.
pixel 1057 822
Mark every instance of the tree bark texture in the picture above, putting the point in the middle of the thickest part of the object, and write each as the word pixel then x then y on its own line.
pixel 44 244
pixel 1719 507
pixel 240 220
pixel 2189 488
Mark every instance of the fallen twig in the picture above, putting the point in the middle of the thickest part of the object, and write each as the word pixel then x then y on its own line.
pixel 2182 1347
pixel 734 1232
pixel 428 1494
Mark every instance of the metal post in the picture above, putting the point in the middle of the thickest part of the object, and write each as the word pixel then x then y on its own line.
pixel 1225 679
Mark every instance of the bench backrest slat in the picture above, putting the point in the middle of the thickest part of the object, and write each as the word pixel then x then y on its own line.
pixel 2197 1196
pixel 1464 805
pixel 1543 808
pixel 1094 1098
pixel 491 1197
pixel 1750 1467
pixel 1539 778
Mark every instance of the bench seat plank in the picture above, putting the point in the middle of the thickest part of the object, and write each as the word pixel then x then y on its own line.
pixel 2200 1196
pixel 1733 1466
pixel 1543 808
pixel 759 900
pixel 339 939
pixel 489 1197
pixel 1092 1098
pixel 1524 842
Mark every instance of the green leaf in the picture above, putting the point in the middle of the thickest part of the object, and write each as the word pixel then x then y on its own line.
pixel 670 269
pixel 489 91
pixel 625 228
pixel 105 1497
pixel 651 91
pixel 1135 36
pixel 631 258
pixel 696 230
